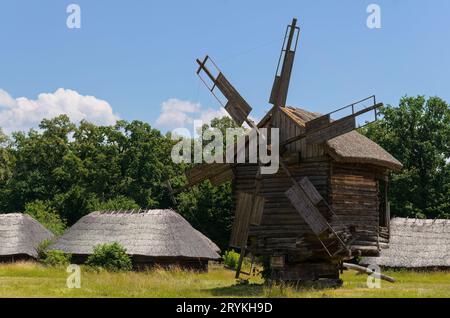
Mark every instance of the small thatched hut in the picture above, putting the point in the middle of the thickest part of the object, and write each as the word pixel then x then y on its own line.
pixel 153 237
pixel 415 244
pixel 20 236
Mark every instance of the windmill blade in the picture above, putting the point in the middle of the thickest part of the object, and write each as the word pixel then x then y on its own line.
pixel 329 130
pixel 249 211
pixel 280 87
pixel 322 129
pixel 249 208
pixel 306 200
pixel 236 105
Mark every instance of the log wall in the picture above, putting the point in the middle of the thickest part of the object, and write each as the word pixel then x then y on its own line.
pixel 282 229
pixel 354 198
pixel 352 191
pixel 15 258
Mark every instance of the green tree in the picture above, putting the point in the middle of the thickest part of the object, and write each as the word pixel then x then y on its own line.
pixel 117 204
pixel 6 159
pixel 70 171
pixel 417 133
pixel 46 215
pixel 77 169
pixel 208 208
pixel 6 170
pixel 38 159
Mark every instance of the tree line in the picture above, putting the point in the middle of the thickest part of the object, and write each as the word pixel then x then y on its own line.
pixel 64 171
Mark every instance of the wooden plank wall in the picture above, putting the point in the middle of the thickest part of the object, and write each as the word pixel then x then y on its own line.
pixel 354 198
pixel 282 227
pixel 289 129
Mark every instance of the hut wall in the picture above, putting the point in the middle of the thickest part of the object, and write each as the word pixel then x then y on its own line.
pixel 355 199
pixel 282 228
pixel 15 258
pixel 142 262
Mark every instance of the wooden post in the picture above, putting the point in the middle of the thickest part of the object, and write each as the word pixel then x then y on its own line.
pixel 241 260
pixel 388 205
pixel 368 271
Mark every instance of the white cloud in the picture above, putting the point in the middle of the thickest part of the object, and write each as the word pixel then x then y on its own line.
pixel 176 113
pixel 21 114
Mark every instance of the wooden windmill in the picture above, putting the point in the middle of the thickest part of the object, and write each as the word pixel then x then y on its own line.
pixel 296 217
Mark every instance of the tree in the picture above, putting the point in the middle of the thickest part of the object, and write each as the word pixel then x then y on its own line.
pixel 46 215
pixel 6 159
pixel 208 208
pixel 77 170
pixel 6 170
pixel 417 133
pixel 117 204
pixel 62 172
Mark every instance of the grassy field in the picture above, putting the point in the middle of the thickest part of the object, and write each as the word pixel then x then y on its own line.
pixel 33 280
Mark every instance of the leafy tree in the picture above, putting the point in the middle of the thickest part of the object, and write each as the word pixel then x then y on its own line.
pixel 56 258
pixel 46 215
pixel 418 134
pixel 62 172
pixel 6 170
pixel 6 159
pixel 78 169
pixel 208 208
pixel 116 204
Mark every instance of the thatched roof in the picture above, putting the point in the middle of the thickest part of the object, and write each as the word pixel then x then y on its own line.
pixel 155 233
pixel 211 244
pixel 415 244
pixel 20 234
pixel 351 147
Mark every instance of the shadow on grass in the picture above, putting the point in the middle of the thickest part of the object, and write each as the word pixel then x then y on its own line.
pixel 275 289
pixel 239 290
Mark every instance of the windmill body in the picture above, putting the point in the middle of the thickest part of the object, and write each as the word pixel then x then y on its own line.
pixel 327 203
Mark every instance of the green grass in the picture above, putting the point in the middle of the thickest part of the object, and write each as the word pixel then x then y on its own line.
pixel 34 280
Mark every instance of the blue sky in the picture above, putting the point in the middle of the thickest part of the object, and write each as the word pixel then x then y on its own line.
pixel 133 56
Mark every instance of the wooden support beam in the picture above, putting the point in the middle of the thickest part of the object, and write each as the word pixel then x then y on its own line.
pixel 332 130
pixel 342 121
pixel 241 260
pixel 368 271
pixel 307 210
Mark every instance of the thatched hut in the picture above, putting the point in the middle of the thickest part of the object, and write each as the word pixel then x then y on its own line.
pixel 20 236
pixel 415 244
pixel 153 237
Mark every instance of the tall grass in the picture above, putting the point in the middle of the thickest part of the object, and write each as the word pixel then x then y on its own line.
pixel 34 280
